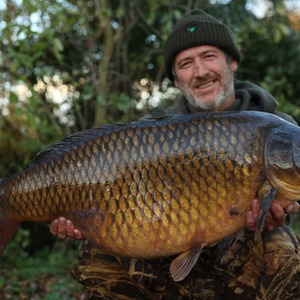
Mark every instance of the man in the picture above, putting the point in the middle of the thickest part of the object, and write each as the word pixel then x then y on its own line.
pixel 201 58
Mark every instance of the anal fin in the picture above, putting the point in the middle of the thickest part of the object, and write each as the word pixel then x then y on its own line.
pixel 182 265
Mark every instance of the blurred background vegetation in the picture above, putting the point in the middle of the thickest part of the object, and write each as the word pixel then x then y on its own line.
pixel 67 65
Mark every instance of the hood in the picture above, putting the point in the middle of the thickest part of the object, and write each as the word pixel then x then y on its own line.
pixel 250 96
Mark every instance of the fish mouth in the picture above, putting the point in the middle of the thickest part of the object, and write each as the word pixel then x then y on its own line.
pixel 282 160
pixel 290 191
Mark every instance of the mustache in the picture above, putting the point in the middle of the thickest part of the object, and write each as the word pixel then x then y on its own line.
pixel 204 80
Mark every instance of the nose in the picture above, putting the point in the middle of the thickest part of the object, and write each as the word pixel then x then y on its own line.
pixel 199 68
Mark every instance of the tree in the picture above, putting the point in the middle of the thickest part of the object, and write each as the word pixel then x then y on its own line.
pixel 271 49
pixel 68 65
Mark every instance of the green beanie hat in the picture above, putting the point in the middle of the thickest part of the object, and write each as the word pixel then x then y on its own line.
pixel 195 29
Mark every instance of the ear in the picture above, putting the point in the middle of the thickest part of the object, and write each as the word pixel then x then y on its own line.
pixel 175 82
pixel 234 65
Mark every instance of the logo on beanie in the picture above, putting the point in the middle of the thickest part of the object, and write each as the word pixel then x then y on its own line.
pixel 191 29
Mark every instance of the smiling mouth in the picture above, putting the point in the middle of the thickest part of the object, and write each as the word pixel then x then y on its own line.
pixel 206 85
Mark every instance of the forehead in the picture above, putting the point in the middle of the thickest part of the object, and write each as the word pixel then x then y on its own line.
pixel 196 51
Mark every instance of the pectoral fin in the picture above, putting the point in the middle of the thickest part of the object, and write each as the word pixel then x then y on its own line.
pixel 264 208
pixel 183 264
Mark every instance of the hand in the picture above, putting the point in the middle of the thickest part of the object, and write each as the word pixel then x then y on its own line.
pixel 275 217
pixel 64 228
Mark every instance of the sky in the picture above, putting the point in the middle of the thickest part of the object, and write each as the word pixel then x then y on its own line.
pixel 259 7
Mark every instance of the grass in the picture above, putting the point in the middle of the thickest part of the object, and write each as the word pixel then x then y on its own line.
pixel 46 274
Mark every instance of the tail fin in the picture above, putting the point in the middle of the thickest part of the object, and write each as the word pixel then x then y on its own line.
pixel 7 228
pixel 7 231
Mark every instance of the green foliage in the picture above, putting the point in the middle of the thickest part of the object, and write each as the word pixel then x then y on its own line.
pixel 43 275
pixel 40 279
pixel 15 253
pixel 100 50
pixel 271 55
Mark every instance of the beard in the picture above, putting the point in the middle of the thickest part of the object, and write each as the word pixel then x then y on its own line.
pixel 199 104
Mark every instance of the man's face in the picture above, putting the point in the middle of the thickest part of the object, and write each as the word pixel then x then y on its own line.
pixel 205 77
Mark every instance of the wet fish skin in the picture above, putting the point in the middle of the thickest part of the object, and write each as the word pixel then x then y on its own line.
pixel 282 160
pixel 151 188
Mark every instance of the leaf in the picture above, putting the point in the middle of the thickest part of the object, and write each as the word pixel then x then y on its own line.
pixel 88 92
pixel 13 98
pixel 58 46
pixel 100 99
pixel 57 49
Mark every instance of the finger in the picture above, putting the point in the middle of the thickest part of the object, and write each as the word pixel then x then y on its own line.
pixel 293 208
pixel 61 228
pixel 277 213
pixel 251 221
pixel 255 209
pixel 70 229
pixel 78 235
pixel 269 223
pixel 54 226
pixel 62 220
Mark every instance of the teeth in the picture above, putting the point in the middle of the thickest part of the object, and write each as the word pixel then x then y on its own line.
pixel 206 85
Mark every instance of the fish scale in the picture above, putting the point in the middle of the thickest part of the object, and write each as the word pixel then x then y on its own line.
pixel 157 187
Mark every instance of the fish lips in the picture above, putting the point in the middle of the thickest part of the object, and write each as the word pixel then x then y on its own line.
pixel 282 160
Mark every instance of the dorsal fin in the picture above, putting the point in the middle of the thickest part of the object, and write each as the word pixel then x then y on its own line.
pixel 83 136
pixel 73 140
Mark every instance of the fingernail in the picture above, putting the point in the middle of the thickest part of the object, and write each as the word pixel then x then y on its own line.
pixel 289 209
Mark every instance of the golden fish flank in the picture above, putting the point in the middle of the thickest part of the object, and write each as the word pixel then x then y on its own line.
pixel 165 219
pixel 154 188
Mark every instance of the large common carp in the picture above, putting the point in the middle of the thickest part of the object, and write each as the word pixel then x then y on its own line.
pixel 158 187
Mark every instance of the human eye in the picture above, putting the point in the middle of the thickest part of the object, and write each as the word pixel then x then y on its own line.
pixel 209 56
pixel 184 64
